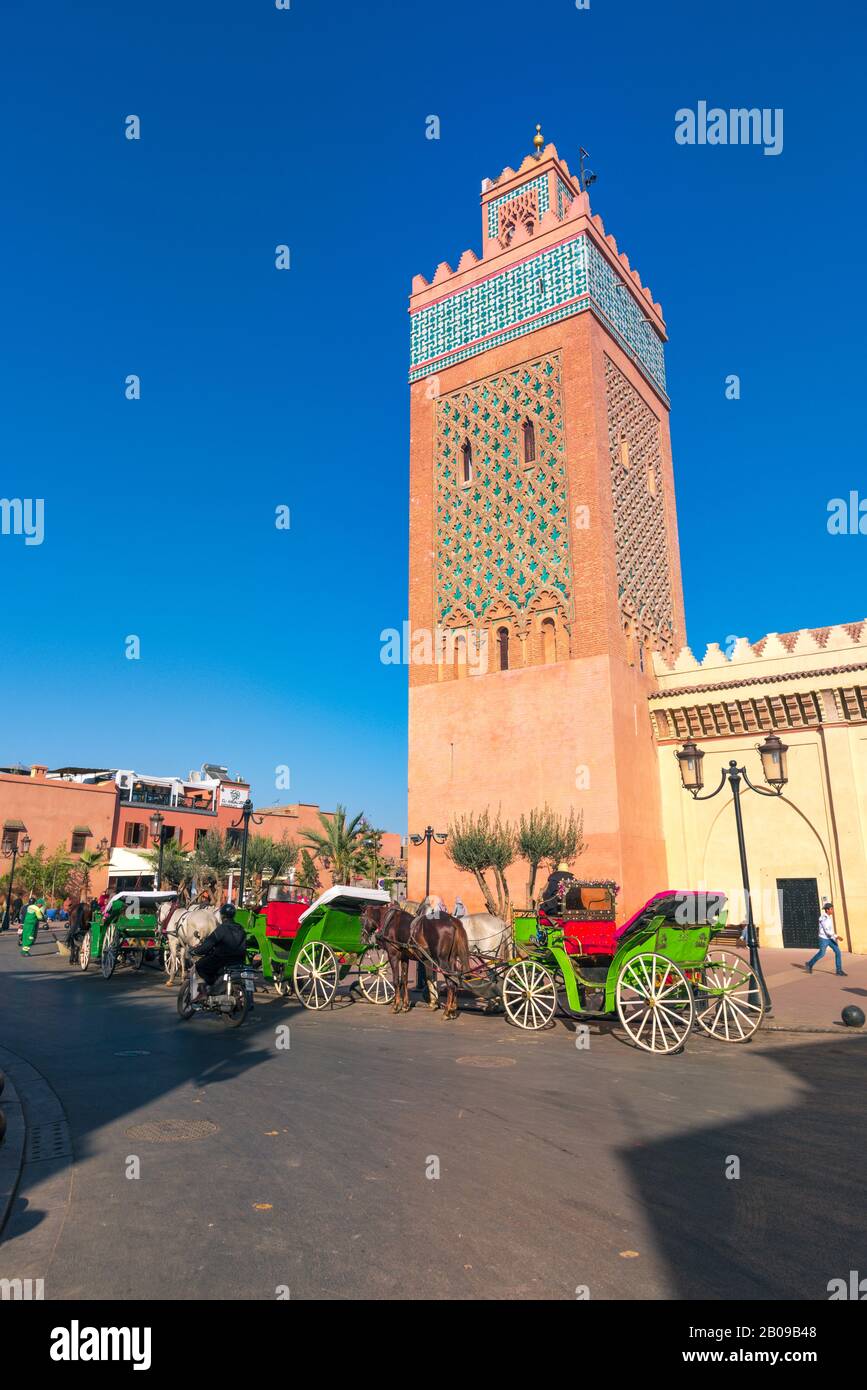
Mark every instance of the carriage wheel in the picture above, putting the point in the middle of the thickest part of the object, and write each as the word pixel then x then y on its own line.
pixel 374 976
pixel 108 955
pixel 315 975
pixel 135 959
pixel 529 994
pixel 655 1002
pixel 84 952
pixel 724 1008
pixel 171 964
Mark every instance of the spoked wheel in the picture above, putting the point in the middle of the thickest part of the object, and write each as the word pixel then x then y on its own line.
pixel 374 976
pixel 172 964
pixel 185 1008
pixel 315 975
pixel 655 1003
pixel 529 994
pixel 135 959
pixel 235 1016
pixel 108 956
pixel 723 1007
pixel 84 952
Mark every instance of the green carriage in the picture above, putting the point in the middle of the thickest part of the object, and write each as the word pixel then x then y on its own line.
pixel 309 949
pixel 125 932
pixel 658 974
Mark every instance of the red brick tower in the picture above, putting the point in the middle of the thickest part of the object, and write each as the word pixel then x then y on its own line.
pixel 544 565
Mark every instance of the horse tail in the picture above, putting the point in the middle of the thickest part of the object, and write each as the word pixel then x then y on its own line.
pixel 460 952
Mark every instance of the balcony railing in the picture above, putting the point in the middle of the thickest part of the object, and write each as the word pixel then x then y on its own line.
pixel 162 797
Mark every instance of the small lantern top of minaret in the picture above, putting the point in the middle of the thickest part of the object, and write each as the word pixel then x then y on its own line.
pixel 539 141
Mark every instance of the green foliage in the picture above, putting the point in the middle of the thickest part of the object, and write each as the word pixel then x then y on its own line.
pixel 339 841
pixel 307 874
pixel 479 844
pixel 211 862
pixel 177 866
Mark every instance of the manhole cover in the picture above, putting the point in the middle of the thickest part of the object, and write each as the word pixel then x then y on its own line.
pixel 485 1061
pixel 171 1131
pixel 132 1052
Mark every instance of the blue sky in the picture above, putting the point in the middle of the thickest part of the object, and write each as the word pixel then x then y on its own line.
pixel 261 647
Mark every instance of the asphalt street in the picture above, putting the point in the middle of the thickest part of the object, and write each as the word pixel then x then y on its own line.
pixel 402 1157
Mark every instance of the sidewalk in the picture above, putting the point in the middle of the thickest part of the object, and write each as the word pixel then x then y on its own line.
pixel 812 1001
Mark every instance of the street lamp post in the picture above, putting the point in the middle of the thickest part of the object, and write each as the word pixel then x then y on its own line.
pixel 11 830
pixel 438 837
pixel 158 840
pixel 246 816
pixel 773 755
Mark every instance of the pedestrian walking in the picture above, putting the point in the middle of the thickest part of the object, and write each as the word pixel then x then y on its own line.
pixel 33 916
pixel 827 938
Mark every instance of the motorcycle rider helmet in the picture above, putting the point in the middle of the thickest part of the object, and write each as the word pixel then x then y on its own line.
pixel 228 909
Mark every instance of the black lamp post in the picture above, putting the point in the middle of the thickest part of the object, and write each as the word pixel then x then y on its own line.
pixel 439 837
pixel 773 755
pixel 246 817
pixel 158 839
pixel 11 830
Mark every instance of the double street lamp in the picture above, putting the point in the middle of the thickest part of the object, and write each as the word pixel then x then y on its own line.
pixel 430 836
pixel 773 755
pixel 246 816
pixel 11 830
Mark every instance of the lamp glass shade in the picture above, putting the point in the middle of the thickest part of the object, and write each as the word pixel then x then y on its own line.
pixel 156 823
pixel 25 843
pixel 690 759
pixel 773 755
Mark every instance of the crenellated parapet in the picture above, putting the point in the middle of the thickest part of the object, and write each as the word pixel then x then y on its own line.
pixel 545 256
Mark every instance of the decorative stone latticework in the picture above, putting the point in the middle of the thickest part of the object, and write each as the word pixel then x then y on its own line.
pixel 641 541
pixel 502 539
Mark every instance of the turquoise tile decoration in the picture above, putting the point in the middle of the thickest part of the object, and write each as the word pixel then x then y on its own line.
pixel 543 289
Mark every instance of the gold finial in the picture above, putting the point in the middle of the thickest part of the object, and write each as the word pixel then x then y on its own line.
pixel 538 140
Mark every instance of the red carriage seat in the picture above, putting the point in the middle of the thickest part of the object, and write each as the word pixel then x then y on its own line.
pixel 281 919
pixel 594 938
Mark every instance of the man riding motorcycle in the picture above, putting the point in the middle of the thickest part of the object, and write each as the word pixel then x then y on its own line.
pixel 227 945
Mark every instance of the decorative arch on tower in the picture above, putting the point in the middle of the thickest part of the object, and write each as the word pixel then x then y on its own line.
pixel 549 629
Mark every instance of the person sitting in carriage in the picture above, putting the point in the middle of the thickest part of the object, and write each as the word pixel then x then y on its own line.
pixel 551 902
pixel 226 945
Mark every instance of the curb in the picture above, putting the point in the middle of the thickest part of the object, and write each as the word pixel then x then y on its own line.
pixel 840 1031
pixel 38 1128
pixel 12 1148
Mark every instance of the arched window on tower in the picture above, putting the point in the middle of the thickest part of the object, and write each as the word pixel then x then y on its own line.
pixel 503 647
pixel 549 641
pixel 460 657
pixel 467 461
pixel 624 450
pixel 529 430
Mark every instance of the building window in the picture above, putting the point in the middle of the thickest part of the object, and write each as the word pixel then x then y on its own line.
pixel 641 654
pixel 467 461
pixel 529 441
pixel 624 449
pixel 135 834
pixel 503 647
pixel 79 842
pixel 460 668
pixel 549 641
pixel 651 480
pixel 233 838
pixel 200 835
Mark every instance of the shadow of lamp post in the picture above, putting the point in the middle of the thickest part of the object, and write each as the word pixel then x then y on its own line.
pixel 773 755
pixel 10 847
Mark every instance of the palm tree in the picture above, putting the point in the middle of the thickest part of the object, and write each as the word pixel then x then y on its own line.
pixel 339 841
pixel 178 865
pixel 88 860
pixel 212 860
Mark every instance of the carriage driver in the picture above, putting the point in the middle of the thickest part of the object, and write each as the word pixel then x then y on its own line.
pixel 551 903
pixel 226 945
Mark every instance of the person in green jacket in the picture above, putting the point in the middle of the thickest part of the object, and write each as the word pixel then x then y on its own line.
pixel 33 916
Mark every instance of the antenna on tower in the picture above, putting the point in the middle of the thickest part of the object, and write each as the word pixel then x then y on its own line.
pixel 586 176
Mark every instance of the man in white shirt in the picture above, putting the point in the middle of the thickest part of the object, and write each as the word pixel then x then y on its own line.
pixel 827 937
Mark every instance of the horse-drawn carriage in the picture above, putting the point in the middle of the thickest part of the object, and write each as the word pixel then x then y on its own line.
pixel 309 948
pixel 656 974
pixel 127 929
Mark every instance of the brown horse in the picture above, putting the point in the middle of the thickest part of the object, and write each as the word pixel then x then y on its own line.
pixel 439 942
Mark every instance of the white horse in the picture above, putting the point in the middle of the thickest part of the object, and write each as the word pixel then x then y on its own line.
pixel 184 927
pixel 487 934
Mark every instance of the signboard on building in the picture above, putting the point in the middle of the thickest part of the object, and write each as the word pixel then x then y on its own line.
pixel 233 796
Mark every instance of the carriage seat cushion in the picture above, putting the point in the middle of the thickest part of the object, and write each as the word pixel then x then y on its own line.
pixel 281 919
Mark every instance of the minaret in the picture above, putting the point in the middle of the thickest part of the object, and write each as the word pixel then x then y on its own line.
pixel 544 561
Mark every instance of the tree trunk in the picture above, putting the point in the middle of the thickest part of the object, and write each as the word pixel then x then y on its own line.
pixel 486 892
pixel 531 884
pixel 503 898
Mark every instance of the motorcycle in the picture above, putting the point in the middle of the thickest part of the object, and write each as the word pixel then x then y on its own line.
pixel 230 996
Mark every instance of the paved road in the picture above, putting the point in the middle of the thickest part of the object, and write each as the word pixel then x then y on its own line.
pixel 559 1167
